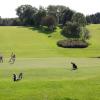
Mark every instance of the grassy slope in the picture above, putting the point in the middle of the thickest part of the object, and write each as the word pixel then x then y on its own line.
pixel 48 78
pixel 28 42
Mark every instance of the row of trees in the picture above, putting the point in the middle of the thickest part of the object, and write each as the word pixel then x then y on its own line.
pixel 50 16
pixel 10 22
pixel 93 19
pixel 28 15
pixel 72 23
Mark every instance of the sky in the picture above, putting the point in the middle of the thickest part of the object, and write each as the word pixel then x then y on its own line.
pixel 87 7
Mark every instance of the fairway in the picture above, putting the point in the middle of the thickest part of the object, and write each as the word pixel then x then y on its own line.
pixel 30 42
pixel 51 79
pixel 46 68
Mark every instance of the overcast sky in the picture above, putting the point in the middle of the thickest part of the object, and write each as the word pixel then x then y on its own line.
pixel 7 7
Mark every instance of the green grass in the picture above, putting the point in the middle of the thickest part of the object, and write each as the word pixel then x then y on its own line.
pixel 46 67
pixel 51 79
pixel 29 42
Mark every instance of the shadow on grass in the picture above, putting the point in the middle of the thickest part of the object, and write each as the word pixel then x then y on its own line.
pixel 95 57
pixel 66 98
pixel 40 29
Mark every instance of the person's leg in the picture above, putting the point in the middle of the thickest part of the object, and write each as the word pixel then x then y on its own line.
pixel 10 60
pixel 20 76
pixel 14 77
pixel 2 59
pixel 13 60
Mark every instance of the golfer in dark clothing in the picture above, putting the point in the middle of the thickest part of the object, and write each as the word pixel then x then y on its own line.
pixel 17 78
pixel 74 66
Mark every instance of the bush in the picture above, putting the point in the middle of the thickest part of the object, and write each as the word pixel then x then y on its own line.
pixel 72 44
pixel 71 30
pixel 85 33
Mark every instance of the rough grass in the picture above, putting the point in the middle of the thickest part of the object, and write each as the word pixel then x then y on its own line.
pixel 30 42
pixel 51 79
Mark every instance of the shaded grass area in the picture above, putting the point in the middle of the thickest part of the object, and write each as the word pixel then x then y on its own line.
pixel 51 79
pixel 41 29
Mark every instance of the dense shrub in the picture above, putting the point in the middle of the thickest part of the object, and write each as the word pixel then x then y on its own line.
pixel 80 19
pixel 71 30
pixel 72 44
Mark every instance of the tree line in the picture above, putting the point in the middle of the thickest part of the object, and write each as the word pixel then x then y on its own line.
pixel 93 19
pixel 72 23
pixel 32 16
pixel 28 15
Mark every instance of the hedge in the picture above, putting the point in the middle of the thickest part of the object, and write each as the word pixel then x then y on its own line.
pixel 72 44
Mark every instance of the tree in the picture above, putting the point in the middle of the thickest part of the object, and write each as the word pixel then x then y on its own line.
pixel 26 14
pixel 49 21
pixel 88 19
pixel 52 10
pixel 79 18
pixel 67 16
pixel 56 11
pixel 60 10
pixel 1 21
pixel 71 30
pixel 39 15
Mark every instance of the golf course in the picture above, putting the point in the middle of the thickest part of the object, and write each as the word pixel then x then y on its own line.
pixel 47 70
